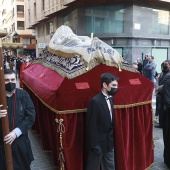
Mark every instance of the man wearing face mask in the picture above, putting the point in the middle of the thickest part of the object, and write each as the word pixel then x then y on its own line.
pixel 21 114
pixel 100 125
pixel 162 79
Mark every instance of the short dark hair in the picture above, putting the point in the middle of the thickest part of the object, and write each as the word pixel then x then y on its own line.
pixel 167 61
pixel 9 71
pixel 107 78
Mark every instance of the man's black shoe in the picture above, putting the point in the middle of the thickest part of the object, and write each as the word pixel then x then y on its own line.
pixel 158 126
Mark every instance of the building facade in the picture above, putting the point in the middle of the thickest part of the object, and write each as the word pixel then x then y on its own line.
pixel 19 40
pixel 134 28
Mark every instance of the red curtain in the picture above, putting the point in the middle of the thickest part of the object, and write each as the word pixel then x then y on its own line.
pixel 133 136
pixel 54 97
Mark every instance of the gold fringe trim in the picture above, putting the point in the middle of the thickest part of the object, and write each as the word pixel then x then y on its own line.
pixel 85 69
pixel 63 73
pixel 132 105
pixel 85 109
pixel 149 166
pixel 62 54
pixel 87 66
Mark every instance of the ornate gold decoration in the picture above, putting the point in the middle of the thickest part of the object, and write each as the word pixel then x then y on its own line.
pixel 61 130
pixel 60 53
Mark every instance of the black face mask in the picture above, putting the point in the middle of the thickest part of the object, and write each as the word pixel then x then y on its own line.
pixel 165 68
pixel 112 92
pixel 10 87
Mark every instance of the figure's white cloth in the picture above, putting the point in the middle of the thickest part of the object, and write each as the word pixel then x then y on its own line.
pixel 71 55
pixel 66 44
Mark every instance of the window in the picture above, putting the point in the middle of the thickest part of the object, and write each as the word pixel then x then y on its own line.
pixel 33 41
pixel 20 9
pixel 160 22
pixel 34 9
pixel 20 25
pixel 104 19
pixel 26 40
pixel 157 52
pixel 13 14
pixel 49 27
pixel 67 20
pixel 42 4
pixel 3 12
pixel 4 21
pixel 13 27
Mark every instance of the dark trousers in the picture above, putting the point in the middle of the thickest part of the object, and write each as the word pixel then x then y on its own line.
pixel 105 160
pixel 166 135
pixel 161 115
pixel 159 109
pixel 157 105
pixel 21 154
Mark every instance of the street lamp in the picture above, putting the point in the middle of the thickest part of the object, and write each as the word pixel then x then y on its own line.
pixel 15 37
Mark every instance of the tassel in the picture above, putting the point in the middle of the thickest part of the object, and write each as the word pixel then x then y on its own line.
pixel 61 129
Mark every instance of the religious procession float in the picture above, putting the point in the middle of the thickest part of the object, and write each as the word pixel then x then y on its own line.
pixel 61 82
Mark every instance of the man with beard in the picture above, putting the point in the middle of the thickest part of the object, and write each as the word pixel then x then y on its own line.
pixel 100 125
pixel 21 114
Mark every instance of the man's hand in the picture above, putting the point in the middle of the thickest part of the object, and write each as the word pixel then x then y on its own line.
pixel 10 137
pixel 3 113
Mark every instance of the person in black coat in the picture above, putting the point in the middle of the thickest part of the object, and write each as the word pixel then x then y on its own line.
pixel 145 61
pixel 100 125
pixel 166 125
pixel 18 65
pixel 4 61
pixel 162 79
pixel 140 66
pixel 21 114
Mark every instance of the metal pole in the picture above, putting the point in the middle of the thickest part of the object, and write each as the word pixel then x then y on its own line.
pixel 5 122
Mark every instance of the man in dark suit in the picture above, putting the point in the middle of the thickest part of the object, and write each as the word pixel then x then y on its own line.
pixel 21 114
pixel 162 79
pixel 166 125
pixel 100 125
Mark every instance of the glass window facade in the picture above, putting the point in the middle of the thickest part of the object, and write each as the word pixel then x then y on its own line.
pixel 104 19
pixel 160 22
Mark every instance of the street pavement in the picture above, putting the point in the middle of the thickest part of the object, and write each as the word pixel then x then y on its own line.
pixel 43 160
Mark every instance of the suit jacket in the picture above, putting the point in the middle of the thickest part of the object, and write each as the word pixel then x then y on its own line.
pixel 99 126
pixel 163 78
pixel 166 92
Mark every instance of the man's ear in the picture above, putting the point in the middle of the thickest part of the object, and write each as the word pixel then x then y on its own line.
pixel 104 85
